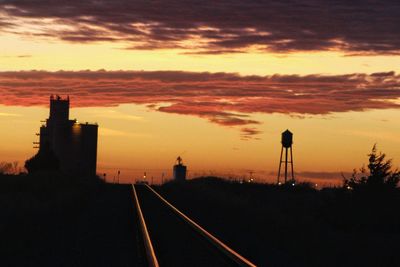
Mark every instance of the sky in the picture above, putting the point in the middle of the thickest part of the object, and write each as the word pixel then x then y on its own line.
pixel 213 82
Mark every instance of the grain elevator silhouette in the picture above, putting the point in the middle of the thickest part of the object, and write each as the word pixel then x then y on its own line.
pixel 74 144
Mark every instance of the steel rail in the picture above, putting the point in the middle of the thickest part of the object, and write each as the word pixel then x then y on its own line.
pixel 233 255
pixel 151 255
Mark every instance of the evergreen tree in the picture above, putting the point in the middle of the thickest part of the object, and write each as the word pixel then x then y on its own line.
pixel 379 176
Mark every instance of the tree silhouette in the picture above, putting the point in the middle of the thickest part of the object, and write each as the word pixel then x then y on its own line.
pixel 5 167
pixel 9 167
pixel 44 160
pixel 380 175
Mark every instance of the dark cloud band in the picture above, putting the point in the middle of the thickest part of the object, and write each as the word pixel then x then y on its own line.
pixel 366 27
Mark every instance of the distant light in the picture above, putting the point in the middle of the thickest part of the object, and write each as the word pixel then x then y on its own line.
pixel 292 184
pixel 316 185
pixel 279 183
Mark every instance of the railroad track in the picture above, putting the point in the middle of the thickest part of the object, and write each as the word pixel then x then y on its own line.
pixel 173 239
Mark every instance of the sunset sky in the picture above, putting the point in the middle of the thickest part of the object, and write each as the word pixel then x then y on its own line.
pixel 213 81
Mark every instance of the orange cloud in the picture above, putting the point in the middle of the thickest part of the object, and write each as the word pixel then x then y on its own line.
pixel 227 99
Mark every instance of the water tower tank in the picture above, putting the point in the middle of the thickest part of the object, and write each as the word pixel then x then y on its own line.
pixel 287 138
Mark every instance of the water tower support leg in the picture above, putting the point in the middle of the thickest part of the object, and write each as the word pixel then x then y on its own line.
pixel 291 162
pixel 280 165
pixel 286 163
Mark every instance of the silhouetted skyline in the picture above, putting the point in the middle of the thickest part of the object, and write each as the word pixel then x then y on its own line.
pixel 230 131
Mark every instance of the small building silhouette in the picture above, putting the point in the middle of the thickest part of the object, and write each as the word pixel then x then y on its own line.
pixel 179 170
pixel 73 143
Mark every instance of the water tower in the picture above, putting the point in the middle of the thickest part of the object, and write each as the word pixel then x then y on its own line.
pixel 287 142
pixel 179 170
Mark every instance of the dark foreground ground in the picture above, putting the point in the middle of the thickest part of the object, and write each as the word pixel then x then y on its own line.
pixel 277 226
pixel 58 221
pixel 175 242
